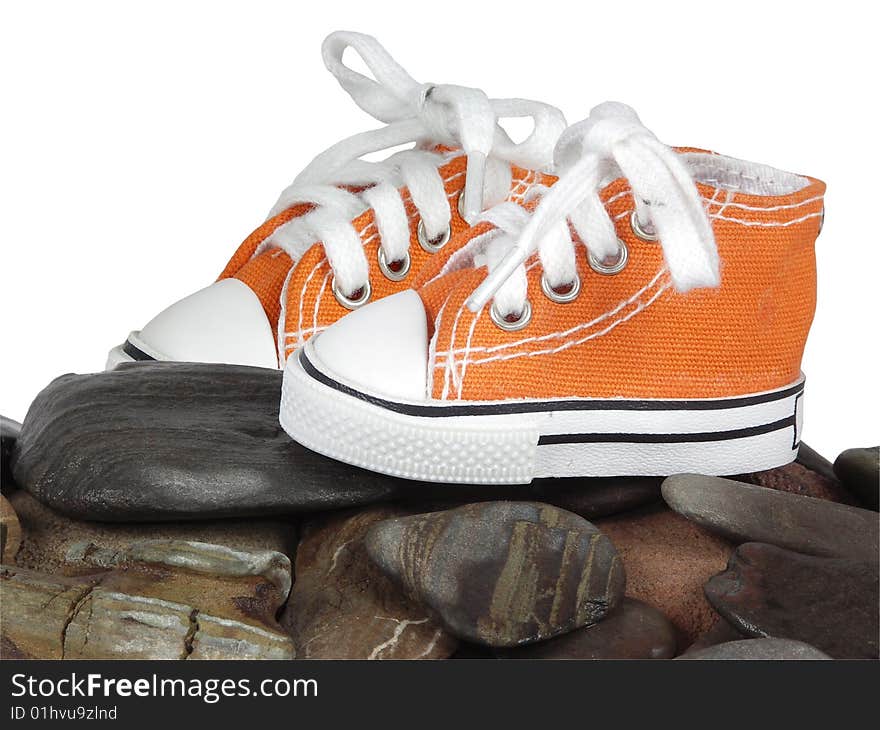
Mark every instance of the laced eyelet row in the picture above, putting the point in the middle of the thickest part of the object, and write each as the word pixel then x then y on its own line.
pixel 569 292
pixel 399 269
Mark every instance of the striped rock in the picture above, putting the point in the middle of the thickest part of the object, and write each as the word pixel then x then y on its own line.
pixel 502 573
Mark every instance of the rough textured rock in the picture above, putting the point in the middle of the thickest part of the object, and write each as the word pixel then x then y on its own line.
pixel 9 431
pixel 830 603
pixel 47 536
pixel 746 513
pixel 168 441
pixel 502 573
pixel 10 531
pixel 859 470
pixel 798 479
pixel 633 630
pixel 667 561
pixel 343 607
pixel 758 649
pixel 158 600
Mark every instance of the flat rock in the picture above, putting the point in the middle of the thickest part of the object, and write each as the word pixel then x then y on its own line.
pixel 667 561
pixel 502 573
pixel 829 603
pixel 859 470
pixel 10 531
pixel 9 431
pixel 157 600
pixel 343 607
pixel 48 537
pixel 633 630
pixel 758 650
pixel 170 441
pixel 746 513
pixel 796 478
pixel 150 442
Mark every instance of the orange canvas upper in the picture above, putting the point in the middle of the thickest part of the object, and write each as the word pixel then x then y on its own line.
pixel 299 297
pixel 632 335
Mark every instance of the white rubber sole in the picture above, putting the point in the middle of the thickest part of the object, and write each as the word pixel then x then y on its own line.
pixel 132 350
pixel 514 442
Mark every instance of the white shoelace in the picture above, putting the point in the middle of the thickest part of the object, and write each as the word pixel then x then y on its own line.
pixel 427 115
pixel 668 207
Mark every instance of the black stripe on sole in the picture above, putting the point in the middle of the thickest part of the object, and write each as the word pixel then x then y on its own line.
pixel 486 409
pixel 136 354
pixel 666 438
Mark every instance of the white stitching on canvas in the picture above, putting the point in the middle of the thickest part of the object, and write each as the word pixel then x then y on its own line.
pixel 467 347
pixel 432 351
pixel 281 342
pixel 767 224
pixel 642 306
pixel 571 330
pixel 302 295
pixel 318 299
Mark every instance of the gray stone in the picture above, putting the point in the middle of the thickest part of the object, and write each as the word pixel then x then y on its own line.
pixel 815 462
pixel 633 630
pixel 171 441
pixel 743 513
pixel 758 649
pixel 829 603
pixel 859 470
pixel 502 573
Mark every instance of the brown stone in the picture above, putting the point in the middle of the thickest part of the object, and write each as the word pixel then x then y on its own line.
pixel 10 531
pixel 502 573
pixel 667 561
pixel 829 603
pixel 343 607
pixel 156 600
pixel 633 630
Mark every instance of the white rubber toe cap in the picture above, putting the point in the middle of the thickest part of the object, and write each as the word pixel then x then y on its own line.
pixel 223 323
pixel 381 349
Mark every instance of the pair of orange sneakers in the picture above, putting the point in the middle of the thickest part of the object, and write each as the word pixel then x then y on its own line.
pixel 587 302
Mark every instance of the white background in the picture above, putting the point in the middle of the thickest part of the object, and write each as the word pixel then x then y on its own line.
pixel 141 142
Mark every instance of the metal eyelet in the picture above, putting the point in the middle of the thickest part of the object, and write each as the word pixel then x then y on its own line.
pixel 352 302
pixel 505 323
pixel 435 245
pixel 640 230
pixel 561 297
pixel 390 273
pixel 609 265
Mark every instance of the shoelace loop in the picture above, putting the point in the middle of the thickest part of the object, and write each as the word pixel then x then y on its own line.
pixel 612 141
pixel 428 114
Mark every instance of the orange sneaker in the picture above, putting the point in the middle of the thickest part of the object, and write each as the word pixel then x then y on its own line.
pixel 648 316
pixel 347 231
